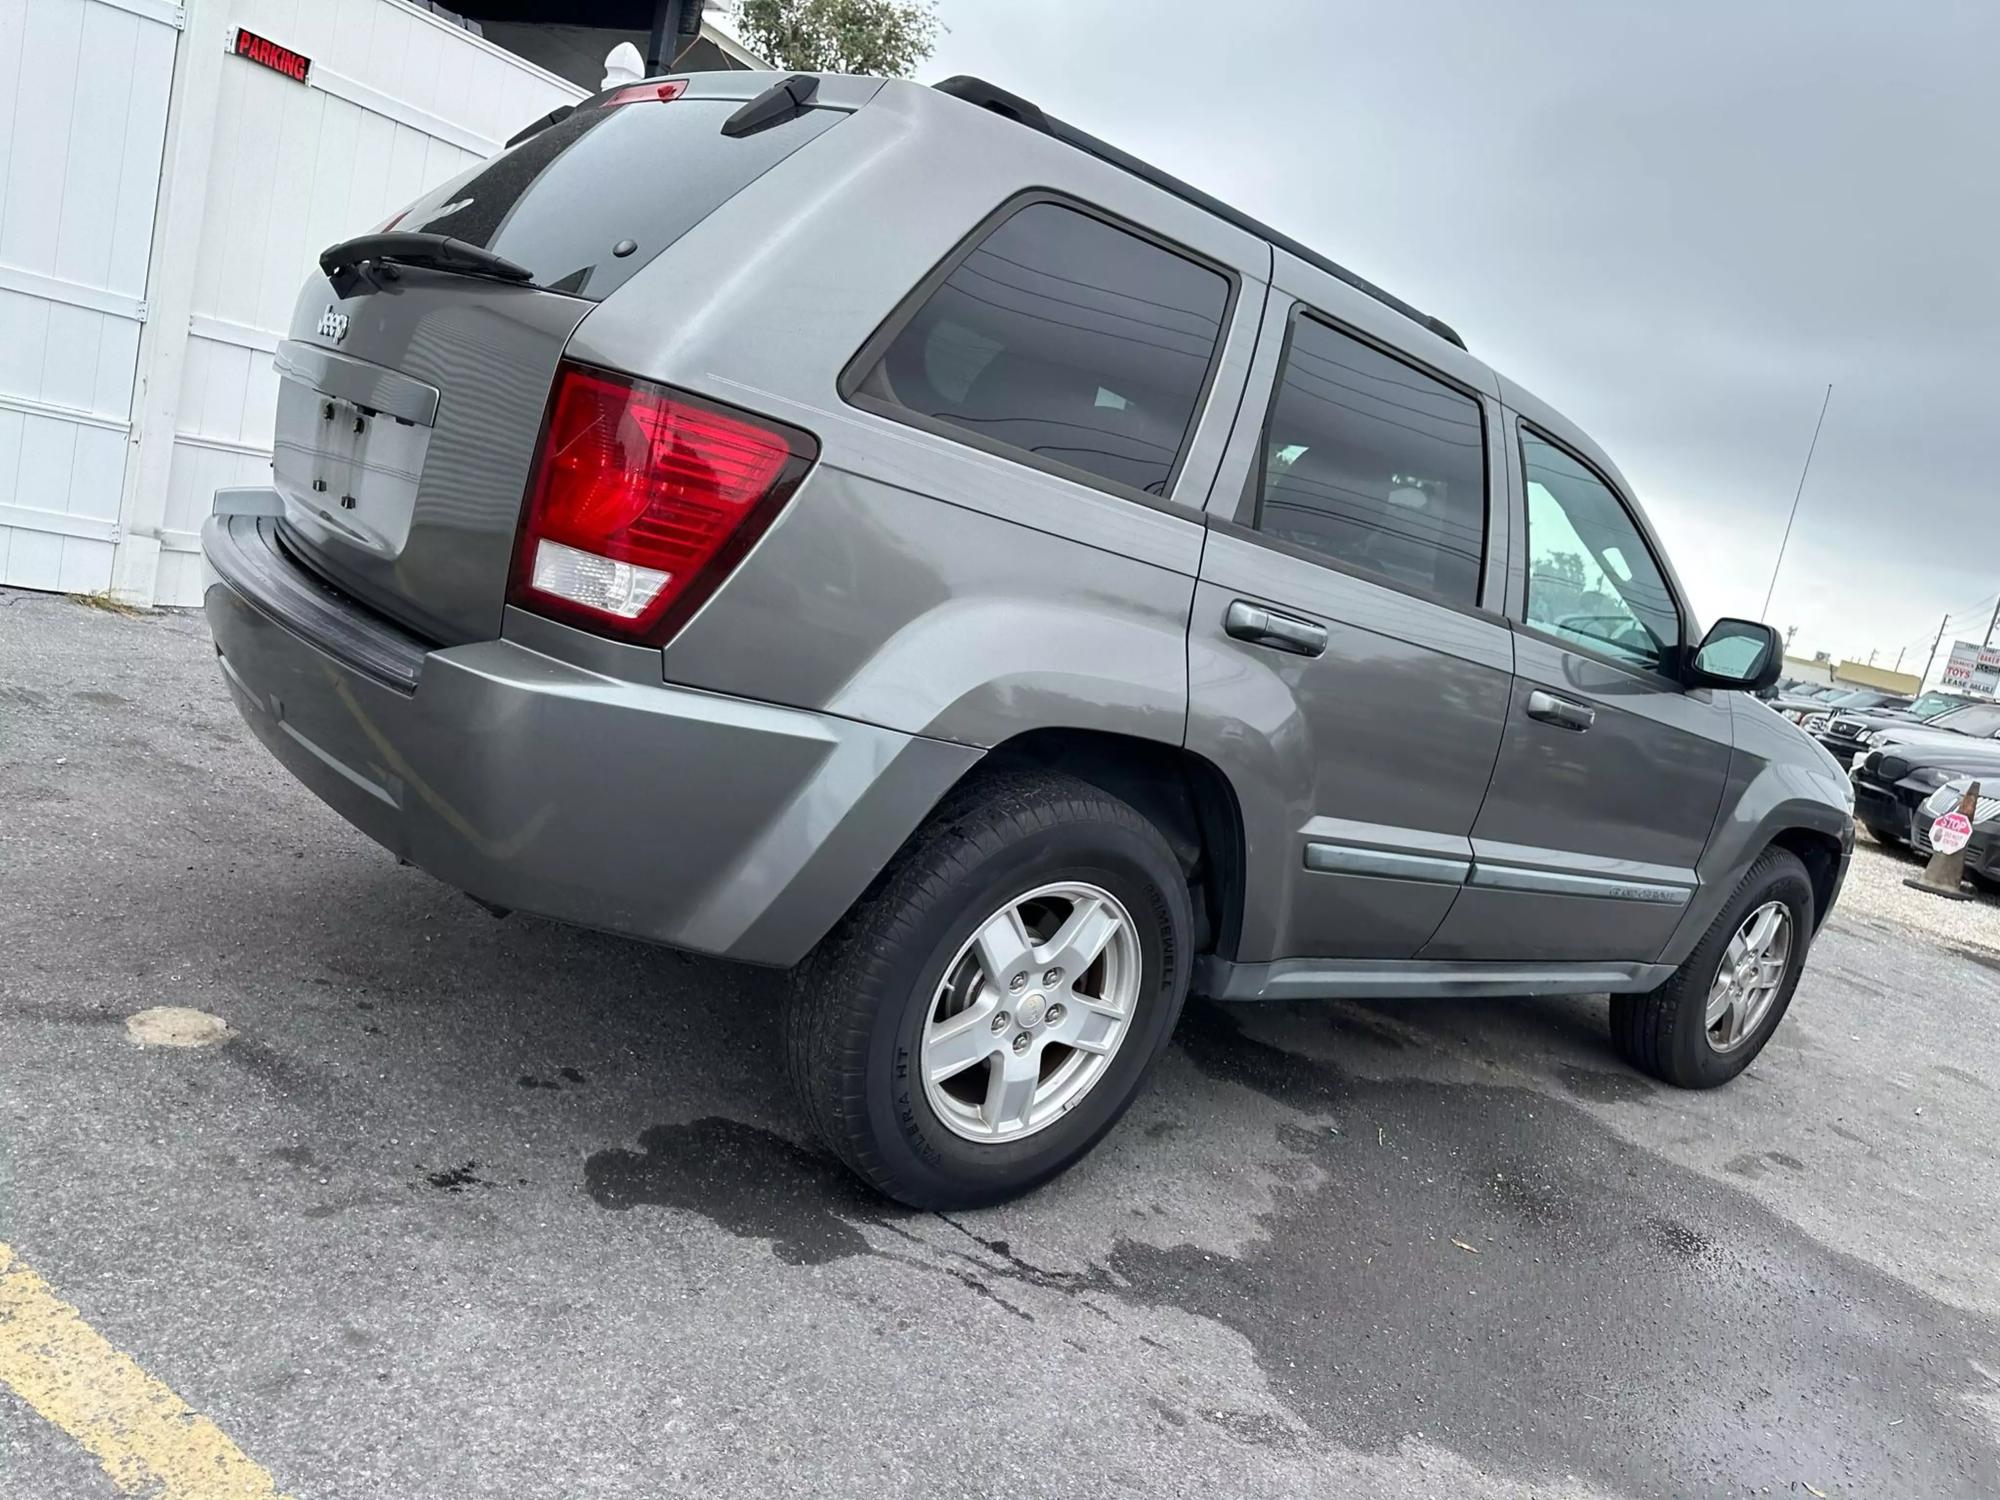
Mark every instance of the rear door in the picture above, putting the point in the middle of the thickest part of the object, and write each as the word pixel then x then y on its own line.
pixel 1610 773
pixel 1347 664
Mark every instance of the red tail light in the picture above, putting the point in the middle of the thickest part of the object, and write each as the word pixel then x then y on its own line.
pixel 641 501
pixel 645 93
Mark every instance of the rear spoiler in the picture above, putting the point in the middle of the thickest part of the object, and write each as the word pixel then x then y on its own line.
pixel 784 100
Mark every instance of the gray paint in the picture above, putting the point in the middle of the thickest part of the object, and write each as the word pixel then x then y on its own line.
pixel 1780 782
pixel 1406 824
pixel 335 374
pixel 679 816
pixel 878 603
pixel 1641 786
pixel 431 552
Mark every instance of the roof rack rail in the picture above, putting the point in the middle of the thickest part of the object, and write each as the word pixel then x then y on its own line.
pixel 989 96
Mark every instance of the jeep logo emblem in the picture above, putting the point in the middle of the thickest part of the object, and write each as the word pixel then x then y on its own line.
pixel 333 325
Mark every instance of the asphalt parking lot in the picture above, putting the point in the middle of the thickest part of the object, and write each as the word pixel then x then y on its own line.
pixel 468 1207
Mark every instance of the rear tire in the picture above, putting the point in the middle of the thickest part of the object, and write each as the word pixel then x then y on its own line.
pixel 1675 1032
pixel 903 979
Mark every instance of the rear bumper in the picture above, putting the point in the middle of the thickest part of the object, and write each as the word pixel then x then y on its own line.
pixel 710 823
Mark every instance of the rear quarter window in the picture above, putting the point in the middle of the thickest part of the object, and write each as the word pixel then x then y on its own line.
pixel 1061 339
pixel 562 201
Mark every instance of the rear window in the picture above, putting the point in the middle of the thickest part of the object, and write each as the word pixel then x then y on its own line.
pixel 1063 340
pixel 1374 465
pixel 562 201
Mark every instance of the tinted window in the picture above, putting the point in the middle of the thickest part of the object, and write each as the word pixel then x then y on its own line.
pixel 1590 577
pixel 1375 465
pixel 558 202
pixel 1066 338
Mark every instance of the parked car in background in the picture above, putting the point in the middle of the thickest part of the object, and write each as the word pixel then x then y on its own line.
pixel 1892 783
pixel 1785 696
pixel 1803 699
pixel 1800 710
pixel 884 532
pixel 1842 731
pixel 1974 721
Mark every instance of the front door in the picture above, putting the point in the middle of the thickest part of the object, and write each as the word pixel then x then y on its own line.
pixel 1610 773
pixel 1340 666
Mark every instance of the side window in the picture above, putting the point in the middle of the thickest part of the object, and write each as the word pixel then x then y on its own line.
pixel 1064 337
pixel 1590 576
pixel 1376 465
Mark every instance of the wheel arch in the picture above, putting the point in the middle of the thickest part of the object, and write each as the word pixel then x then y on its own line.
pixel 1185 795
pixel 1821 854
pixel 1819 835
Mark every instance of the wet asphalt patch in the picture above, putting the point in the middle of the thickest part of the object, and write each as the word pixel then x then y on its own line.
pixel 1703 1342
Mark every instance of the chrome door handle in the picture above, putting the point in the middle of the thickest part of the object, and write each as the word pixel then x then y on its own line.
pixel 1266 627
pixel 1560 711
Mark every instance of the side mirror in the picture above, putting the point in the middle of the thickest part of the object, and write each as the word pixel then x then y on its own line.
pixel 1737 654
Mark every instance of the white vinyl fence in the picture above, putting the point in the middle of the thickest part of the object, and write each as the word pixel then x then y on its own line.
pixel 161 200
pixel 79 172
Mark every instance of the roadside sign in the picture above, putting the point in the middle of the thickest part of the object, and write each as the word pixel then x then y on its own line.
pixel 1972 668
pixel 1951 832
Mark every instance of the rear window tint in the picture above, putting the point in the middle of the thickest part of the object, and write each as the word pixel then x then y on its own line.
pixel 1372 463
pixel 1065 339
pixel 560 201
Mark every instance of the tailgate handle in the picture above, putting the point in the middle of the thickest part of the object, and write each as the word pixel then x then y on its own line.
pixel 356 381
pixel 1266 627
pixel 1560 711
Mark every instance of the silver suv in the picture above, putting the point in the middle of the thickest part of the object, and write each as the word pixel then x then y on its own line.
pixel 883 532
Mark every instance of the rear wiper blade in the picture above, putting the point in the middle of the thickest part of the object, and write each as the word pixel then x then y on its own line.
pixel 439 252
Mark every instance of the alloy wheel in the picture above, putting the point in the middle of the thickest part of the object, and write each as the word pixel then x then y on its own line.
pixel 1030 1012
pixel 1749 977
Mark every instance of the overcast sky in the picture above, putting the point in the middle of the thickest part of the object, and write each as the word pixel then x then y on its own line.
pixel 1674 221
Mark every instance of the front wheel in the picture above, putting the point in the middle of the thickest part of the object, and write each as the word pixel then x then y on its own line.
pixel 987 1012
pixel 1706 1024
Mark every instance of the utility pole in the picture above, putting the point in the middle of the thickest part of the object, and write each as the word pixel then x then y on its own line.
pixel 1934 651
pixel 1804 470
pixel 1871 658
pixel 1900 652
pixel 1991 623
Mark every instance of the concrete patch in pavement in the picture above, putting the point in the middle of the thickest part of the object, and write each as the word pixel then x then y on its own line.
pixel 176 1026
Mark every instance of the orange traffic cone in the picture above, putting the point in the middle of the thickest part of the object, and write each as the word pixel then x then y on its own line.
pixel 1945 874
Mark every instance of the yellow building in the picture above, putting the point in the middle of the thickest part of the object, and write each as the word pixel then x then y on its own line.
pixel 1861 675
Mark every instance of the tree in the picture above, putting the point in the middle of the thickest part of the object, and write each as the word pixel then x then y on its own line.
pixel 888 37
pixel 1567 567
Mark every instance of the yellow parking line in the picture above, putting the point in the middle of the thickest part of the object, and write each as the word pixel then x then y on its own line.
pixel 148 1439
